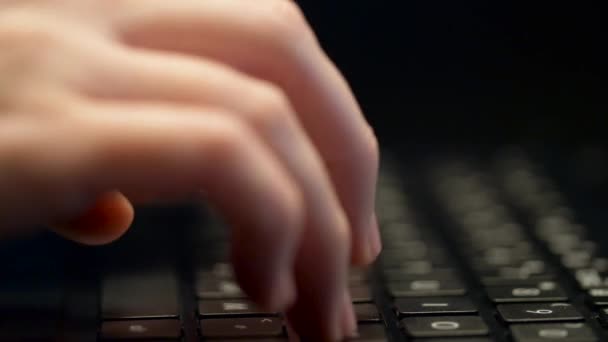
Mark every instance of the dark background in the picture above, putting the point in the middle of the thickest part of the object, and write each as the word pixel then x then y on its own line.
pixel 472 71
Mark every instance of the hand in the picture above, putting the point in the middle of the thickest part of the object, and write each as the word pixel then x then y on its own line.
pixel 107 102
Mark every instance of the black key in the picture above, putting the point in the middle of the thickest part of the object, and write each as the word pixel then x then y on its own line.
pixel 366 313
pixel 139 296
pixel 370 333
pixel 567 332
pixel 212 288
pixel 219 270
pixel 358 276
pixel 599 296
pixel 455 339
pixel 513 276
pixel 427 287
pixel 241 327
pixel 277 339
pixel 413 269
pixel 538 312
pixel 444 326
pixel 434 305
pixel 361 293
pixel 227 307
pixel 141 329
pixel 546 291
pixel 590 278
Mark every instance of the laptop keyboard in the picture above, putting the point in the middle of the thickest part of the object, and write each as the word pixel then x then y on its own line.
pixel 473 251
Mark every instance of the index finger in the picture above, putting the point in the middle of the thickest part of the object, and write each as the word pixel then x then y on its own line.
pixel 271 40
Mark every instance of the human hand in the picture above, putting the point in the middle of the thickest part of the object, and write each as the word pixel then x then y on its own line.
pixel 104 103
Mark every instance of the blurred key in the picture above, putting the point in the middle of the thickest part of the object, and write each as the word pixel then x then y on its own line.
pixel 151 295
pixel 567 332
pixel 547 291
pixel 425 287
pixel 213 288
pixel 370 333
pixel 227 307
pixel 241 327
pixel 366 312
pixel 141 329
pixel 361 293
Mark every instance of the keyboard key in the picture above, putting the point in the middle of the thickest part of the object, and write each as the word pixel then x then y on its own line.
pixel 270 339
pixel 211 288
pixel 418 268
pixel 538 312
pixel 211 307
pixel 141 329
pixel 444 326
pixel 599 296
pixel 370 333
pixel 567 332
pixel 366 313
pixel 139 296
pixel 361 293
pixel 546 291
pixel 426 287
pixel 434 305
pixel 241 327
pixel 513 276
pixel 455 339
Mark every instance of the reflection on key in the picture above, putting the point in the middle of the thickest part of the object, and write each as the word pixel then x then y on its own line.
pixel 141 329
pixel 152 295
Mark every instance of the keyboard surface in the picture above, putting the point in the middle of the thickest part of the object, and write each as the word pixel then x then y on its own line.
pixel 475 249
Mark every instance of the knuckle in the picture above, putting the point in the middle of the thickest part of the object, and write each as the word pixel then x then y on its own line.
pixel 286 21
pixel 26 49
pixel 270 108
pixel 230 139
pixel 293 206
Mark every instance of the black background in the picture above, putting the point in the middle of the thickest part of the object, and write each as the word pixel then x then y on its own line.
pixel 472 71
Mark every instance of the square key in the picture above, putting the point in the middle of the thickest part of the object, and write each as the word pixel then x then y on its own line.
pixel 434 306
pixel 539 312
pixel 230 307
pixel 545 291
pixel 567 332
pixel 427 287
pixel 444 326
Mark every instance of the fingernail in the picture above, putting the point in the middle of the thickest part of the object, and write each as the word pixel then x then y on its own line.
pixel 349 321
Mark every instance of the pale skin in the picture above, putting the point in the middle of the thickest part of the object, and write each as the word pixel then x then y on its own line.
pixel 105 104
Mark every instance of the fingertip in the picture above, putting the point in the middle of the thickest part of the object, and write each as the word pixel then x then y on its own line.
pixel 367 246
pixel 105 221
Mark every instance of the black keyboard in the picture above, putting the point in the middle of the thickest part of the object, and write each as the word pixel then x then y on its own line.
pixel 474 250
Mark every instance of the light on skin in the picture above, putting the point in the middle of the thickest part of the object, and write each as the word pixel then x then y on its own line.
pixel 122 102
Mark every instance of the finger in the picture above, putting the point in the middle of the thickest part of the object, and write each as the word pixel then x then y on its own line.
pixel 138 76
pixel 105 221
pixel 169 150
pixel 271 40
